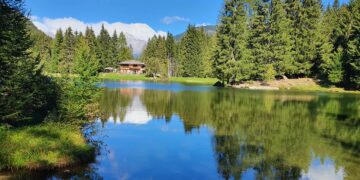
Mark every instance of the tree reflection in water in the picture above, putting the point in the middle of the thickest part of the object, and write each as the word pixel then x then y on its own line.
pixel 274 135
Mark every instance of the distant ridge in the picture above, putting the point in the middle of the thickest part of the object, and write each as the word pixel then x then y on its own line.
pixel 210 29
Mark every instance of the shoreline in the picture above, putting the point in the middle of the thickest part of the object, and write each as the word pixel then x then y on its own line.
pixel 301 84
pixel 43 147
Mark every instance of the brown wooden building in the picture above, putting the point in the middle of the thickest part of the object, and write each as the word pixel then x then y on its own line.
pixel 132 67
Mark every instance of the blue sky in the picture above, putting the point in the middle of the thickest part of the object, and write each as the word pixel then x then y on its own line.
pixel 151 12
pixel 138 19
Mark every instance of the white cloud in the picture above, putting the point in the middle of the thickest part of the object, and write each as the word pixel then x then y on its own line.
pixel 172 19
pixel 137 33
pixel 202 24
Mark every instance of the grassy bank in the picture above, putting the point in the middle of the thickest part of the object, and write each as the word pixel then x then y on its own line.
pixel 190 80
pixel 44 146
pixel 300 84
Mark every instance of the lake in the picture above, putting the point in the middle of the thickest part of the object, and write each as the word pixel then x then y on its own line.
pixel 174 131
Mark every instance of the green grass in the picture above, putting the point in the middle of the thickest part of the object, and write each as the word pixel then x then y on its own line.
pixel 131 77
pixel 191 80
pixel 44 146
pixel 323 89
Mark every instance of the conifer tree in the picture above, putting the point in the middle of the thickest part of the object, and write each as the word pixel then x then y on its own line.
pixel 66 63
pixel 330 64
pixel 85 62
pixel 114 49
pixel 353 51
pixel 191 53
pixel 155 57
pixel 22 87
pixel 232 58
pixel 260 43
pixel 306 39
pixel 56 52
pixel 124 52
pixel 280 40
pixel 170 51
pixel 104 48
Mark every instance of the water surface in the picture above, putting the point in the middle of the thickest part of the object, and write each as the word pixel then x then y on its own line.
pixel 175 131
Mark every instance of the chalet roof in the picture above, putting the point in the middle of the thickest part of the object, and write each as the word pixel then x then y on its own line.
pixel 132 62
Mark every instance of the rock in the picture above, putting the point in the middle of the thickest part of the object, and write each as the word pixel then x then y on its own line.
pixel 263 88
pixel 219 84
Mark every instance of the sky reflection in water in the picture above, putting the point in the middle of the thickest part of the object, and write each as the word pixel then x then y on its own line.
pixel 174 131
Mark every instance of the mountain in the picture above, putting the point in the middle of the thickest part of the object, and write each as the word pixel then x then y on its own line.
pixel 137 44
pixel 210 29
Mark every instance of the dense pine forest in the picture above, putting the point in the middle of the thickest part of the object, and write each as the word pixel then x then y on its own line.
pixel 264 40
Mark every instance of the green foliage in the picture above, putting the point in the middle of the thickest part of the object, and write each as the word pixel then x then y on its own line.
pixel 260 41
pixel 124 51
pixel 85 62
pixel 66 62
pixel 23 89
pixel 353 51
pixel 104 48
pixel 155 57
pixel 232 59
pixel 45 146
pixel 171 54
pixel 192 52
pixel 294 38
pixel 281 44
pixel 27 97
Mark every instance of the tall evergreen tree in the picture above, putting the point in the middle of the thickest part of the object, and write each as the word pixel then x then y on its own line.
pixel 170 51
pixel 66 63
pixel 260 43
pixel 280 40
pixel 124 51
pixel 330 64
pixel 114 49
pixel 56 52
pixel 155 57
pixel 22 87
pixel 191 53
pixel 104 48
pixel 232 56
pixel 85 62
pixel 353 51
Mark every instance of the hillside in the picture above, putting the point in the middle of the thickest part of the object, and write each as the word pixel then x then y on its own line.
pixel 211 30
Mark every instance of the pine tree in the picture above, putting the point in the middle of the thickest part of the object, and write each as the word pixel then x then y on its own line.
pixel 66 63
pixel 56 53
pixel 231 60
pixel 22 87
pixel 306 25
pixel 170 51
pixel 353 51
pixel 155 57
pixel 336 4
pixel 114 49
pixel 329 66
pixel 260 42
pixel 85 62
pixel 124 52
pixel 281 43
pixel 191 53
pixel 104 48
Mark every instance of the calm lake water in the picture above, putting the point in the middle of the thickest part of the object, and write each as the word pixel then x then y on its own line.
pixel 175 131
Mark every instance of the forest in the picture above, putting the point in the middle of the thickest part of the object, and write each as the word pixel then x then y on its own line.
pixel 254 41
pixel 267 40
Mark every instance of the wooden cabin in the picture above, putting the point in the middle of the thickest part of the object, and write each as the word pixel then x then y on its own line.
pixel 132 67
